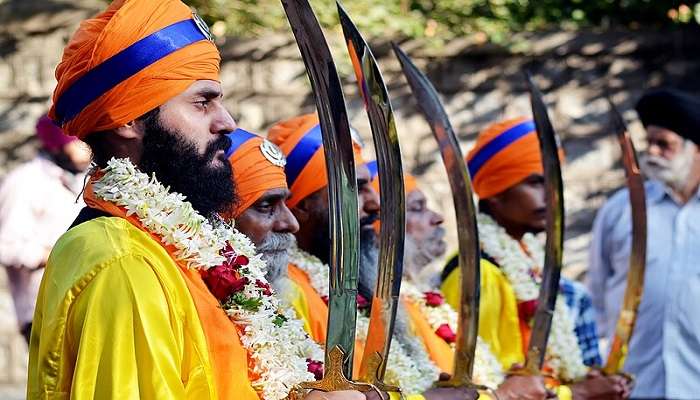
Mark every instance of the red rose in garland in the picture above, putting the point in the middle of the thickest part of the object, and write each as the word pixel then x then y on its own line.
pixel 527 309
pixel 225 280
pixel 315 367
pixel 446 333
pixel 433 299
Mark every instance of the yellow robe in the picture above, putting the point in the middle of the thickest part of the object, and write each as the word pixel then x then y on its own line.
pixel 499 324
pixel 114 319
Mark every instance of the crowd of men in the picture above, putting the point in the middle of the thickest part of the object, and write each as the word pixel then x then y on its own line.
pixel 133 304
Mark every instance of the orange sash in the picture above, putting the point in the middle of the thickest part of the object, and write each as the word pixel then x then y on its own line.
pixel 438 349
pixel 318 310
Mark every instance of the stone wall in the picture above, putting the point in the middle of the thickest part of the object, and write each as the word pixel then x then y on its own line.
pixel 264 81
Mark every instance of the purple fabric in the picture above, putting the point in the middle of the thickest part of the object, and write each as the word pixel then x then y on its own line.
pixel 51 136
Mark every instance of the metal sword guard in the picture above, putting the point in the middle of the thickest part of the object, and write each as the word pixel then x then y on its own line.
pixel 334 379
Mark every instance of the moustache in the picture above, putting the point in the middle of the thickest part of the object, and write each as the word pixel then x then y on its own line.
pixel 369 219
pixel 437 235
pixel 656 161
pixel 221 143
pixel 277 242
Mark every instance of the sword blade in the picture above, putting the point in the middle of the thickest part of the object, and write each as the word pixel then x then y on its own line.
pixel 555 232
pixel 637 262
pixel 434 112
pixel 391 189
pixel 342 184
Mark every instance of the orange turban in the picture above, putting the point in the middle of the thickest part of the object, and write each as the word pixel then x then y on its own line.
pixel 505 153
pixel 300 140
pixel 409 181
pixel 258 166
pixel 128 60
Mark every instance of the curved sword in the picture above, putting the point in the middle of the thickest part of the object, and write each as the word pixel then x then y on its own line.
pixel 637 262
pixel 342 196
pixel 549 146
pixel 391 188
pixel 467 233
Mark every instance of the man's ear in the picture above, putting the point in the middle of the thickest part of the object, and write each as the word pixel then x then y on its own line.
pixel 131 130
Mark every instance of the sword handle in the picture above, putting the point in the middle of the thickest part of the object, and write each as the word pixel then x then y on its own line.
pixel 334 379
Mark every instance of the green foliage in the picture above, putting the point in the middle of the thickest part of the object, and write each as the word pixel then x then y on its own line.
pixel 446 19
pixel 248 304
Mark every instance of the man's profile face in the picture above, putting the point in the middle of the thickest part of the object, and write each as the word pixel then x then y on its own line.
pixel 184 145
pixel 318 212
pixel 663 142
pixel 522 205
pixel 424 226
pixel 199 116
pixel 268 215
pixel 668 158
pixel 271 226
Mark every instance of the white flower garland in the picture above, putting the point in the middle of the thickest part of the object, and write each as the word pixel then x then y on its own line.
pixel 274 338
pixel 413 374
pixel 487 369
pixel 523 271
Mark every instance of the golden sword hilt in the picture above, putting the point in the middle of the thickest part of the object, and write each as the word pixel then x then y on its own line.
pixel 333 379
pixel 372 375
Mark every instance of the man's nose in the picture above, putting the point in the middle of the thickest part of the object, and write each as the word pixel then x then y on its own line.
pixel 223 122
pixel 436 218
pixel 287 223
pixel 370 201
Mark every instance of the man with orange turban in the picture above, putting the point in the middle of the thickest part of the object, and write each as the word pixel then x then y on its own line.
pixel 261 213
pixel 434 321
pixel 507 174
pixel 133 296
pixel 300 139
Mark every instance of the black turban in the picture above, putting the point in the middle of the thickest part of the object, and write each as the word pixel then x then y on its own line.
pixel 671 109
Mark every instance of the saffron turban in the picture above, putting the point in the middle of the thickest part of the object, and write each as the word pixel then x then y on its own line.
pixel 128 60
pixel 300 140
pixel 258 166
pixel 409 181
pixel 505 154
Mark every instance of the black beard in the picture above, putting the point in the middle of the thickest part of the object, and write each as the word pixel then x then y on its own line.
pixel 321 245
pixel 176 163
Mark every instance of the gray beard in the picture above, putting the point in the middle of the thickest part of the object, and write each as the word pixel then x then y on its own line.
pixel 417 255
pixel 673 173
pixel 275 252
pixel 369 272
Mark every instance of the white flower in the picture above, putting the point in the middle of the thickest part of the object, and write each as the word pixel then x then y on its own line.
pixel 413 374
